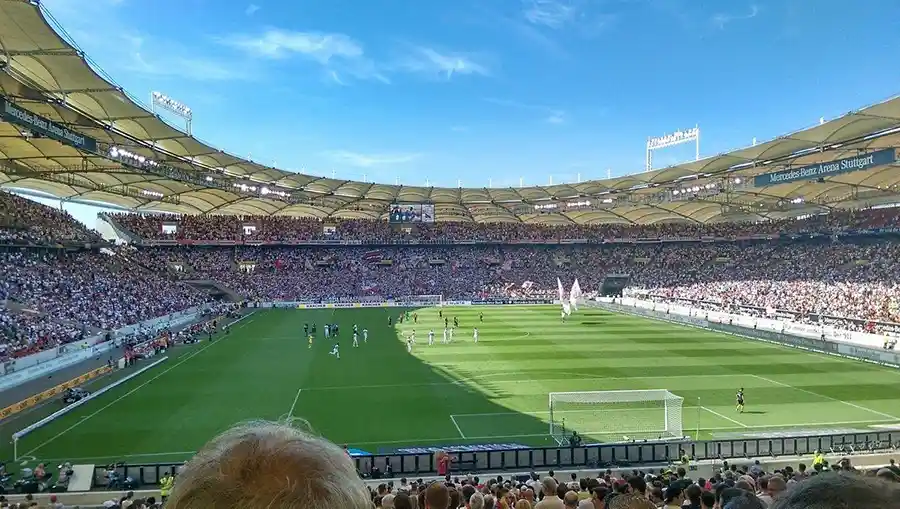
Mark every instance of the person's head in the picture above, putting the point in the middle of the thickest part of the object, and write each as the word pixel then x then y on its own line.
pixel 528 494
pixel 523 504
pixel 570 499
pixel 598 497
pixel 476 501
pixel 682 473
pixel 707 500
pixel 548 485
pixel 467 491
pixel 403 501
pixel 744 500
pixel 886 474
pixel 776 486
pixel 839 490
pixel 631 501
pixel 638 484
pixel 693 494
pixel 437 496
pixel 260 465
pixel 387 501
pixel 674 494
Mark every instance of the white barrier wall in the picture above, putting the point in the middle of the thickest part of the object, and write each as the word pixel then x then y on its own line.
pixel 49 361
pixel 858 345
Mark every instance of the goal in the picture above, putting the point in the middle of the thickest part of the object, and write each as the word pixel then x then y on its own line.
pixel 425 300
pixel 614 416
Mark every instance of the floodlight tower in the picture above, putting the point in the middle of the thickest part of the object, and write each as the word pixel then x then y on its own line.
pixel 670 140
pixel 167 103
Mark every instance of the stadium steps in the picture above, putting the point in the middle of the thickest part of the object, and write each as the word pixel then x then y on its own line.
pixel 17 307
pixel 213 287
pixel 120 230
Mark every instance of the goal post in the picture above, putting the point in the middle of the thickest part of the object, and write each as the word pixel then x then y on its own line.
pixel 616 415
pixel 428 300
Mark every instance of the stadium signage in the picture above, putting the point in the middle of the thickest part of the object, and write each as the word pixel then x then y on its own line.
pixel 45 127
pixel 460 448
pixel 814 171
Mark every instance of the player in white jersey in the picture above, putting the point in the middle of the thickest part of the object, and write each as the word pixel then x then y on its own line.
pixel 335 351
pixel 409 344
pixel 451 334
pixel 365 335
pixel 326 330
pixel 475 334
pixel 431 337
pixel 413 336
pixel 355 340
pixel 445 336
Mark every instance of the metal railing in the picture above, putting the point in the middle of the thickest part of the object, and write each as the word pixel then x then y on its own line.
pixel 601 456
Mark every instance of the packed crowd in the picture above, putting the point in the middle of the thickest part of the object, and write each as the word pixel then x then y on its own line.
pixel 286 229
pixel 263 465
pixel 856 280
pixel 63 293
pixel 26 221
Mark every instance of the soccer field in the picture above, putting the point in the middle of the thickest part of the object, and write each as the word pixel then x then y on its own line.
pixel 378 397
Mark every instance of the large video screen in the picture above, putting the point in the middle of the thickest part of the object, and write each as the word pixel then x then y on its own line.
pixel 412 213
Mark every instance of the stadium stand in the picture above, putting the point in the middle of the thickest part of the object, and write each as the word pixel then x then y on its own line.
pixel 702 232
pixel 261 465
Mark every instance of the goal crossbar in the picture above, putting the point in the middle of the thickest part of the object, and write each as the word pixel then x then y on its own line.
pixel 621 414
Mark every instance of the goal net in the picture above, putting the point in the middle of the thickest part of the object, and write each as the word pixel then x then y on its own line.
pixel 425 300
pixel 614 416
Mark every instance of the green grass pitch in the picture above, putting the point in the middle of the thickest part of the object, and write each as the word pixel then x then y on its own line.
pixel 379 397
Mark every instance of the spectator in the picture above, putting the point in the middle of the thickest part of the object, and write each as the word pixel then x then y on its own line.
pixel 840 491
pixel 550 500
pixel 263 465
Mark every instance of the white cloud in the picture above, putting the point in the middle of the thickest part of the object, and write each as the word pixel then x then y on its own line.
pixel 339 54
pixel 720 20
pixel 549 115
pixel 550 13
pixel 370 160
pixel 318 46
pixel 429 61
pixel 586 18
pixel 251 9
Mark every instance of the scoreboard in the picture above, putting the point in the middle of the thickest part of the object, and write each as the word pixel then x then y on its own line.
pixel 411 213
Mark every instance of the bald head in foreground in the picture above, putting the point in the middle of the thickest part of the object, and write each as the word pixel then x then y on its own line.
pixel 262 465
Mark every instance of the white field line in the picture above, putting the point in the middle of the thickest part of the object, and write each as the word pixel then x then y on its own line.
pixel 854 405
pixel 132 391
pixel 461 434
pixel 294 404
pixel 547 412
pixel 484 379
pixel 741 424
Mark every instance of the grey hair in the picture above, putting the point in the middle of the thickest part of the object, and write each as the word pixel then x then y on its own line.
pixel 265 465
pixel 476 501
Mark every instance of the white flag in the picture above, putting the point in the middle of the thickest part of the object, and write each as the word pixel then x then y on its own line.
pixel 562 292
pixel 574 295
pixel 566 309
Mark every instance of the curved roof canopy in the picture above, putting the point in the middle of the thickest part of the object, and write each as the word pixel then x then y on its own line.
pixel 48 76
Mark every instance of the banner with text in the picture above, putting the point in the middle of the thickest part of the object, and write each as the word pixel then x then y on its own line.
pixel 44 127
pixel 814 171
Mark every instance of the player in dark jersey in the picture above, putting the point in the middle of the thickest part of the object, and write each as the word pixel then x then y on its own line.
pixel 740 400
pixel 390 320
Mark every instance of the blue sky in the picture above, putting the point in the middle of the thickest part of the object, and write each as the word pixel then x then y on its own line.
pixel 490 91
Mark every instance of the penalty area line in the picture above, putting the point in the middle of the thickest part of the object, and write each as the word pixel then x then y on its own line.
pixel 739 423
pixel 181 361
pixel 456 424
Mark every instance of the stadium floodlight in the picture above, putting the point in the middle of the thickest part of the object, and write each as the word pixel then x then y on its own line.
pixel 616 415
pixel 672 139
pixel 167 103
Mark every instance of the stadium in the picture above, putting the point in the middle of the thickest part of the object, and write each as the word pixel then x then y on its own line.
pixel 599 326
